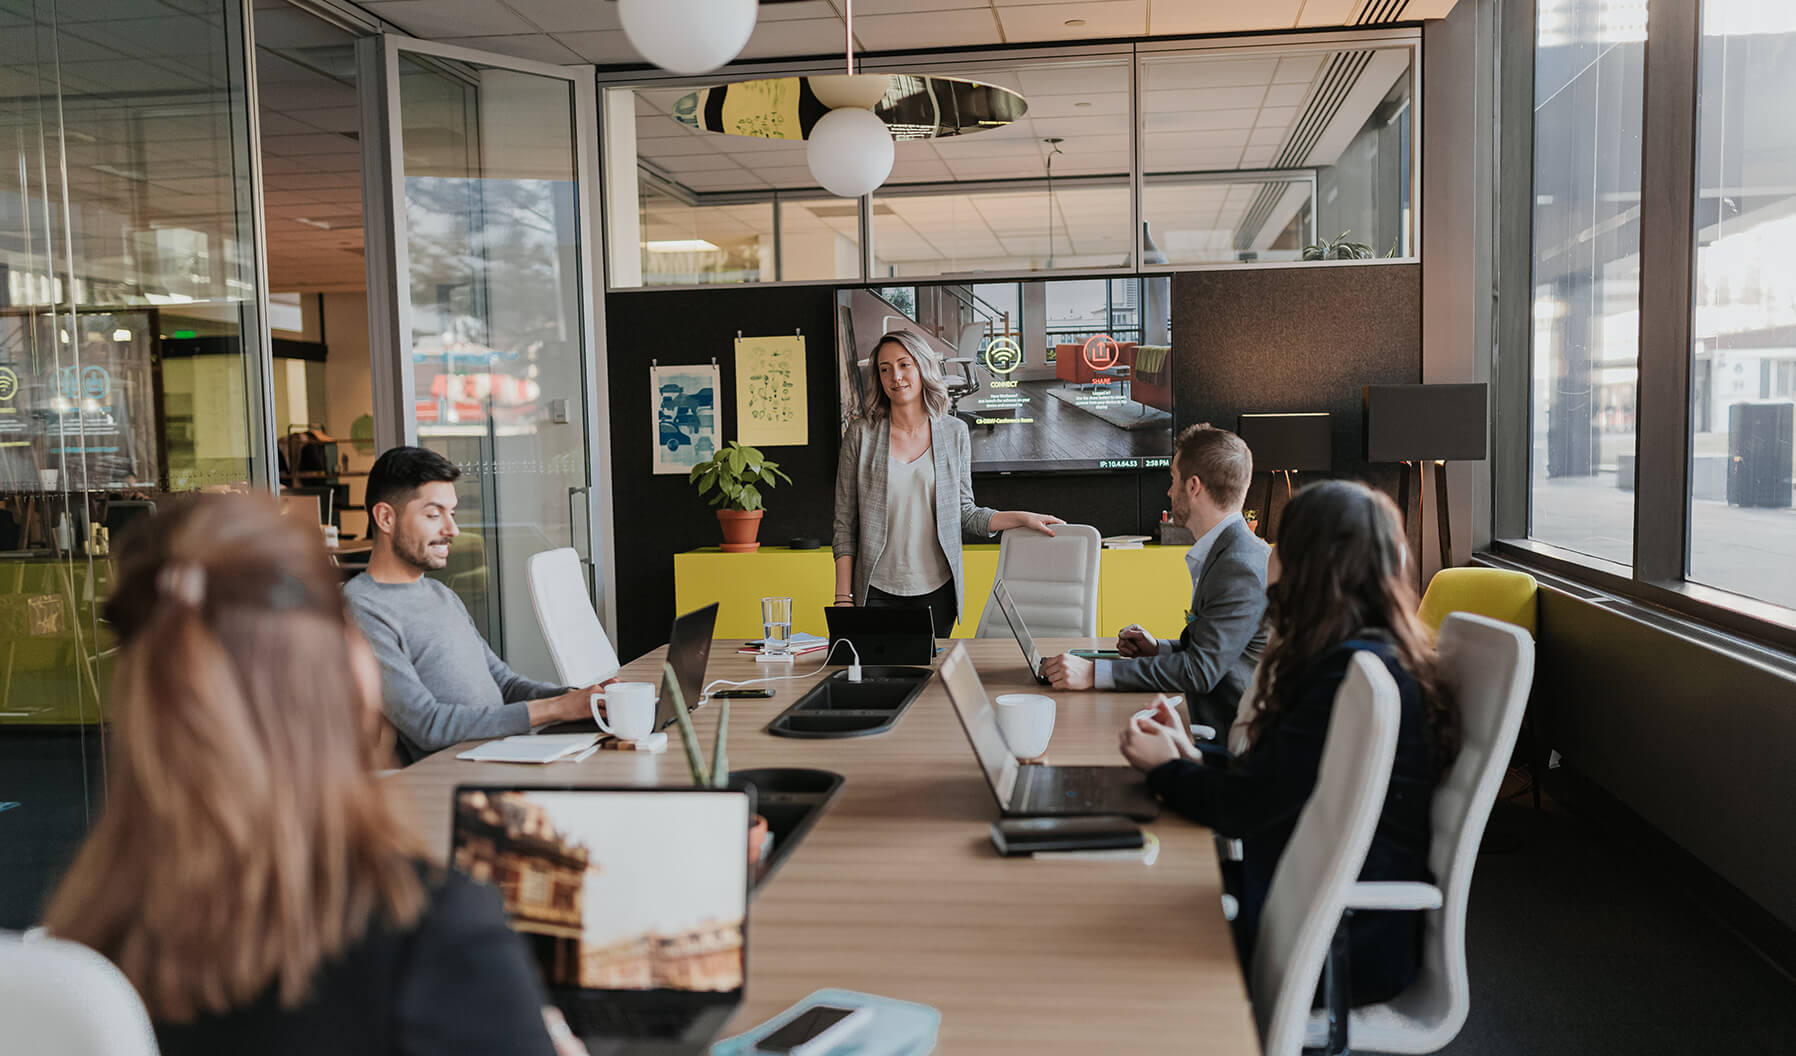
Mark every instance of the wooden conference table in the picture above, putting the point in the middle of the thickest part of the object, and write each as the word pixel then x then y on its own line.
pixel 897 891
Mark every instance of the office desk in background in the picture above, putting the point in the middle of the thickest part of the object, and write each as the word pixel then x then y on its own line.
pixel 897 891
pixel 1150 586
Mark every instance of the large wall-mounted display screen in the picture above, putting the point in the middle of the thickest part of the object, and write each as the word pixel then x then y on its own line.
pixel 1072 374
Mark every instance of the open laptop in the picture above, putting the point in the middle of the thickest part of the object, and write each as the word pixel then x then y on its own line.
pixel 633 903
pixel 881 635
pixel 688 651
pixel 1037 791
pixel 1024 639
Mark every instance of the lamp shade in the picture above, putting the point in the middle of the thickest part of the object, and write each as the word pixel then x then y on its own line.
pixel 1422 423
pixel 688 36
pixel 850 152
pixel 1296 442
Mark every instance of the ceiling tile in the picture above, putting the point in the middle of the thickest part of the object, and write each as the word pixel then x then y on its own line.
pixel 1297 69
pixel 606 47
pixel 1326 12
pixel 937 29
pixel 1184 72
pixel 698 163
pixel 1286 94
pixel 1080 79
pixel 804 36
pixel 1186 16
pixel 1241 98
pixel 566 16
pixel 449 18
pixel 1102 18
pixel 536 47
pixel 807 9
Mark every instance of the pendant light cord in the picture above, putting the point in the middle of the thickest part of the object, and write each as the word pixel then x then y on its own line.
pixel 848 34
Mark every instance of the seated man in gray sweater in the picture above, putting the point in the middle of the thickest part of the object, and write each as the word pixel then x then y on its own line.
pixel 1213 660
pixel 440 683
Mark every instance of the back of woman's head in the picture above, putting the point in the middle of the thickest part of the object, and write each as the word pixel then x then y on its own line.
pixel 1344 569
pixel 244 838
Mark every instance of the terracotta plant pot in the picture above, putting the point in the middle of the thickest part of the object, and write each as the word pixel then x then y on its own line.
pixel 757 839
pixel 740 527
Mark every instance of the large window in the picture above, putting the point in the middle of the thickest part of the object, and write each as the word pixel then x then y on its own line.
pixel 1586 295
pixel 1742 527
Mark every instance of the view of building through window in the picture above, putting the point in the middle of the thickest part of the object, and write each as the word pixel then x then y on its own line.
pixel 1743 382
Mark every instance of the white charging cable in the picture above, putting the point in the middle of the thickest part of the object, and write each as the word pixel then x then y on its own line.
pixel 854 673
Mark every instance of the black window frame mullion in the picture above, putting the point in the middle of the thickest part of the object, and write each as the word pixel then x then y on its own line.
pixel 1668 178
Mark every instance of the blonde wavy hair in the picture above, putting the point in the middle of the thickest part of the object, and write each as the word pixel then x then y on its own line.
pixel 877 405
pixel 245 839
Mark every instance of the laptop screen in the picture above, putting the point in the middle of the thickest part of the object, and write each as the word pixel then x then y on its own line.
pixel 616 889
pixel 688 651
pixel 980 723
pixel 1017 626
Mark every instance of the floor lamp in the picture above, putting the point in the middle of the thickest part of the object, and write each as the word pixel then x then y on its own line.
pixel 1286 443
pixel 1417 424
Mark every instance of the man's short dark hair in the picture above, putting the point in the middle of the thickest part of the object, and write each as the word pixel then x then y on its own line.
pixel 1220 459
pixel 398 474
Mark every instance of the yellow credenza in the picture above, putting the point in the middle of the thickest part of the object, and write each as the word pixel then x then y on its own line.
pixel 1150 586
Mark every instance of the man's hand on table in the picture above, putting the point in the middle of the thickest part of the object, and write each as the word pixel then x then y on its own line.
pixel 572 705
pixel 1067 671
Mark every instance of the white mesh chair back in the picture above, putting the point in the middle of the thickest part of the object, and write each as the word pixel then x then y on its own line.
pixel 1489 666
pixel 576 638
pixel 61 997
pixel 1327 850
pixel 1052 580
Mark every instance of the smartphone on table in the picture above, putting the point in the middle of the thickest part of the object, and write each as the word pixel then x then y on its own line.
pixel 1097 654
pixel 815 1031
pixel 742 694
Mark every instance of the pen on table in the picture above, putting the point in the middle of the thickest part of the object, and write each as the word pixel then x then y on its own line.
pixel 583 756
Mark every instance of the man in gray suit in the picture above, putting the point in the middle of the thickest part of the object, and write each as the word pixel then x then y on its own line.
pixel 1213 660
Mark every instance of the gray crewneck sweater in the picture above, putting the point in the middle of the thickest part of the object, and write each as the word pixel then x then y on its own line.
pixel 440 683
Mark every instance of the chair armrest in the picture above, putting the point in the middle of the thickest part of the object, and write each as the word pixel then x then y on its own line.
pixel 1393 894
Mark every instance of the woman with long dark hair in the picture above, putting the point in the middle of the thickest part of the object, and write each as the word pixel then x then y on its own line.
pixel 1338 583
pixel 247 874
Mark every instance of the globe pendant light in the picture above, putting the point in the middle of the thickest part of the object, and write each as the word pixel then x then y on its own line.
pixel 850 149
pixel 688 36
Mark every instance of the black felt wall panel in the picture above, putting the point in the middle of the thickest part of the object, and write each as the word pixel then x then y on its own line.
pixel 1306 338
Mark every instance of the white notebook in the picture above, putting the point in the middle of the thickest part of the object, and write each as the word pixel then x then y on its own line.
pixel 531 748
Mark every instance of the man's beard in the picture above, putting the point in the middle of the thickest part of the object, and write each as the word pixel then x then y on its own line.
pixel 415 550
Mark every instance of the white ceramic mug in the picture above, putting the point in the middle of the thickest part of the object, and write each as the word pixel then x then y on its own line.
pixel 1027 722
pixel 631 708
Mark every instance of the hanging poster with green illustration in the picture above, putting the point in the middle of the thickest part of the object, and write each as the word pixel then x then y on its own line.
pixel 770 395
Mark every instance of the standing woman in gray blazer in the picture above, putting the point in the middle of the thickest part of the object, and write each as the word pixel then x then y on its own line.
pixel 904 490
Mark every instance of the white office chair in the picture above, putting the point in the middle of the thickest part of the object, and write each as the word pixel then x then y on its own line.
pixel 1489 665
pixel 61 997
pixel 1319 868
pixel 1054 582
pixel 571 629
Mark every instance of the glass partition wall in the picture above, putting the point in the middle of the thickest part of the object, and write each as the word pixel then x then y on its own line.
pixel 1129 158
pixel 131 360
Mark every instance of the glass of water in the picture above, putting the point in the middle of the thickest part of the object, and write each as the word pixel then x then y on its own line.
pixel 776 626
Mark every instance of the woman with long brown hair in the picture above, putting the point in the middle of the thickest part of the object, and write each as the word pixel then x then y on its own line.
pixel 247 873
pixel 1338 583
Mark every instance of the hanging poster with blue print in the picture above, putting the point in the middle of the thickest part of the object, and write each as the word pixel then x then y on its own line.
pixel 684 399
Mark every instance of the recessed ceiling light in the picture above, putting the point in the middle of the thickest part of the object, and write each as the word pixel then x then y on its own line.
pixel 1075 21
pixel 680 245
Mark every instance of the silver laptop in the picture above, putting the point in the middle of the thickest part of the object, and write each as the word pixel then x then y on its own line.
pixel 1024 639
pixel 1037 791
pixel 632 901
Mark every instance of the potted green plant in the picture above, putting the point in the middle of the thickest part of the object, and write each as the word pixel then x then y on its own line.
pixel 733 478
pixel 1337 248
pixel 716 773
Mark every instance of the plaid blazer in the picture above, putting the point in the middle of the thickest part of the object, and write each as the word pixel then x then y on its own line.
pixel 861 497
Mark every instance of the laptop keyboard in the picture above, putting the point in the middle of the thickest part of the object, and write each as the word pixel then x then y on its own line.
pixel 606 1019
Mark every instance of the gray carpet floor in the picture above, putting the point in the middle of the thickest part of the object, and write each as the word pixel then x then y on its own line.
pixel 1580 946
